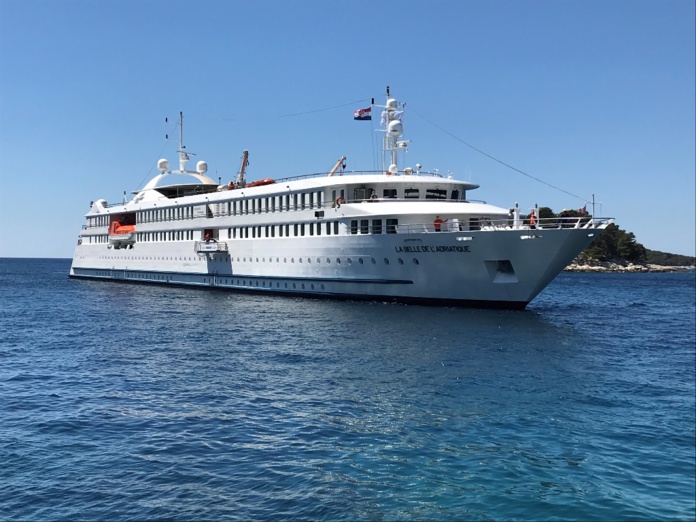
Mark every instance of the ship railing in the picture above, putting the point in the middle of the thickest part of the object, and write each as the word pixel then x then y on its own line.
pixel 485 224
pixel 353 172
pixel 211 246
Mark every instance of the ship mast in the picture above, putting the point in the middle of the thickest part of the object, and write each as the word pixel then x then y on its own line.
pixel 183 155
pixel 391 118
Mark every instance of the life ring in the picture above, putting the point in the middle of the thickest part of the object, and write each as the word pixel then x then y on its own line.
pixel 339 201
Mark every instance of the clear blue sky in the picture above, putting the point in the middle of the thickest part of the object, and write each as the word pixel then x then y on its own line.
pixel 593 97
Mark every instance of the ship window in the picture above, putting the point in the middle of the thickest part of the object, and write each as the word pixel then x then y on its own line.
pixel 413 193
pixel 455 195
pixel 360 194
pixel 364 226
pixel 353 226
pixel 294 201
pixel 295 228
pixel 376 226
pixel 328 229
pixel 268 233
pixel 389 193
pixel 392 224
pixel 302 229
pixel 318 229
pixel 311 229
pixel 474 224
pixel 303 197
pixel 335 228
pixel 435 194
pixel 280 231
pixel 318 199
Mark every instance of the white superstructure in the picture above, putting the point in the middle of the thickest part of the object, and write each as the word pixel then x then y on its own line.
pixel 397 235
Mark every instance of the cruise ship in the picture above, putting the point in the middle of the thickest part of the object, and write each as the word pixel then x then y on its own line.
pixel 399 234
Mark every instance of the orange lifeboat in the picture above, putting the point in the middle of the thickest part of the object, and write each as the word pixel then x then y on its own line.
pixel 261 182
pixel 121 235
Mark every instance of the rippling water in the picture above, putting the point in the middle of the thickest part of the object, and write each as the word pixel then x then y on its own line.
pixel 126 402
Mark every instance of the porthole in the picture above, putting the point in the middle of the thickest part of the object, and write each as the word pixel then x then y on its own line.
pixel 386 261
pixel 338 260
pixel 328 261
pixel 415 261
pixel 349 261
pixel 373 261
pixel 401 261
pixel 360 261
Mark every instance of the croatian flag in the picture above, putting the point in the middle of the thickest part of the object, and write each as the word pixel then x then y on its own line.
pixel 363 114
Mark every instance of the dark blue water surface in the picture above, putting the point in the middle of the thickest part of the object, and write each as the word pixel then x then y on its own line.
pixel 125 402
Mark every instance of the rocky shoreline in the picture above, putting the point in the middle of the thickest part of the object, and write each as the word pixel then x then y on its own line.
pixel 629 267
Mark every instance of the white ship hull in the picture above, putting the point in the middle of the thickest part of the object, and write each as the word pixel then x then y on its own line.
pixel 502 268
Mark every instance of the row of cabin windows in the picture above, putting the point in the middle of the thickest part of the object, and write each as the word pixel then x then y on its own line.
pixel 414 193
pixel 98 221
pixel 288 230
pixel 171 235
pixel 169 214
pixel 284 202
pixel 373 226
pixel 363 226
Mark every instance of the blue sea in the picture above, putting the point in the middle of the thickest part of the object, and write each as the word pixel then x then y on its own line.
pixel 134 402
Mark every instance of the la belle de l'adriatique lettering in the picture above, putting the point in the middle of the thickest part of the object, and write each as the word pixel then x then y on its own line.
pixel 342 234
